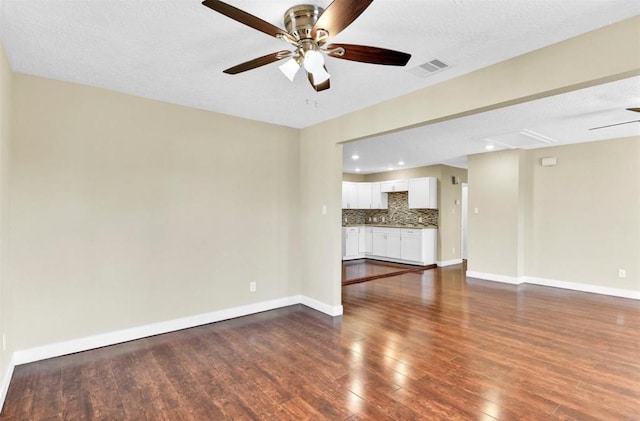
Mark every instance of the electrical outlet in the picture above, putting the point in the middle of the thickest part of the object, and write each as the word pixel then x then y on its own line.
pixel 252 287
pixel 383 219
pixel 622 273
pixel 420 219
pixel 453 250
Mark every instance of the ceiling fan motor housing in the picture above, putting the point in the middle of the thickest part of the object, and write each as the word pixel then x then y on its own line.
pixel 299 20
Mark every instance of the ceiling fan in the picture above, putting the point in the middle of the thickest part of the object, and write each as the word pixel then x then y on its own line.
pixel 637 110
pixel 309 29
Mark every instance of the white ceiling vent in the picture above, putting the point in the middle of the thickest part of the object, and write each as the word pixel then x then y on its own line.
pixel 429 68
pixel 524 138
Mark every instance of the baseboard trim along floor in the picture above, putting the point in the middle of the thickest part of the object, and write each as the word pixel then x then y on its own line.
pixel 575 286
pixel 96 341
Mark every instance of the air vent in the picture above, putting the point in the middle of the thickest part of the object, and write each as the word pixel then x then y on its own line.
pixel 525 138
pixel 429 68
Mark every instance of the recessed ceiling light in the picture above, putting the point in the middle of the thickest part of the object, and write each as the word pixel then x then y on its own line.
pixel 489 147
pixel 400 162
pixel 355 157
pixel 357 169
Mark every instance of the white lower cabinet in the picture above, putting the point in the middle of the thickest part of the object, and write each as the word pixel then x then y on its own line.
pixel 362 240
pixel 386 243
pixel 368 239
pixel 379 243
pixel 411 246
pixel 414 246
pixel 403 245
pixel 350 243
pixel 394 249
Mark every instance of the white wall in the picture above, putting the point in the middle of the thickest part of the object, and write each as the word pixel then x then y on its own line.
pixel 129 211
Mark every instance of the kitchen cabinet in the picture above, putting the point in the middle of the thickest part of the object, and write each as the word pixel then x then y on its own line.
pixel 414 246
pixel 368 239
pixel 393 244
pixel 362 240
pixel 386 242
pixel 394 186
pixel 350 243
pixel 349 195
pixel 379 243
pixel 423 193
pixel 419 245
pixel 364 195
pixel 411 244
pixel 379 200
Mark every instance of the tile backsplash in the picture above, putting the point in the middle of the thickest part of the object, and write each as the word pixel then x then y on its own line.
pixel 397 214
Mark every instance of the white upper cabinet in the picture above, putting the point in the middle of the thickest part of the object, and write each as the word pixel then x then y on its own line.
pixel 394 186
pixel 349 195
pixel 379 200
pixel 364 195
pixel 423 193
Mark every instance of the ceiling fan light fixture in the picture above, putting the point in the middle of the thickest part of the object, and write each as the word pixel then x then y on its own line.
pixel 313 62
pixel 320 76
pixel 290 68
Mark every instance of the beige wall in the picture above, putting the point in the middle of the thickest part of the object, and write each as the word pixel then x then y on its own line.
pixel 449 212
pixel 494 190
pixel 583 222
pixel 129 211
pixel 575 222
pixel 353 177
pixel 558 68
pixel 321 185
pixel 6 119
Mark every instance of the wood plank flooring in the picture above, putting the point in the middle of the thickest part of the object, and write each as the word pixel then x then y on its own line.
pixel 363 270
pixel 432 346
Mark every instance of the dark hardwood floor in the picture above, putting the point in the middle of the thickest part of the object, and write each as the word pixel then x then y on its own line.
pixel 362 270
pixel 426 345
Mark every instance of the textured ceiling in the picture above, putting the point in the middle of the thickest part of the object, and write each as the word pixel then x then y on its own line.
pixel 175 51
pixel 561 120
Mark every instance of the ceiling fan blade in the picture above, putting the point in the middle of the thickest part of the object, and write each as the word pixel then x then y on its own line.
pixel 244 17
pixel 365 54
pixel 637 110
pixel 338 15
pixel 617 124
pixel 257 62
pixel 321 87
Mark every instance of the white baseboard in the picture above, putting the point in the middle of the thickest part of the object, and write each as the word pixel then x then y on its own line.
pixel 574 286
pixel 83 344
pixel 6 380
pixel 320 306
pixel 505 279
pixel 449 262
